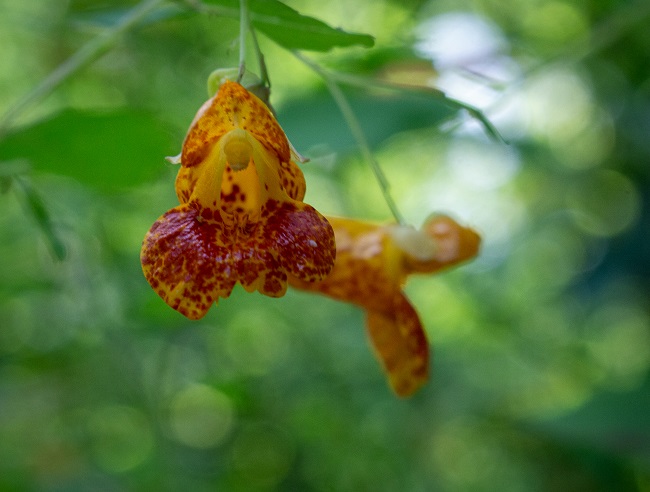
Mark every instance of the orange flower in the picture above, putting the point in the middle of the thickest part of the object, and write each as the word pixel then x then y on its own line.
pixel 241 217
pixel 372 264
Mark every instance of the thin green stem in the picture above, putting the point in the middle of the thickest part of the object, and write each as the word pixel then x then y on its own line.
pixel 264 74
pixel 88 53
pixel 243 32
pixel 357 132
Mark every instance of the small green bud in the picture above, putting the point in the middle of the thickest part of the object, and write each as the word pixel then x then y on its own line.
pixel 250 81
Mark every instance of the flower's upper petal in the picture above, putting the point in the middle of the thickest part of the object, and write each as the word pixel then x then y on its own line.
pixel 401 345
pixel 185 263
pixel 231 108
pixel 239 161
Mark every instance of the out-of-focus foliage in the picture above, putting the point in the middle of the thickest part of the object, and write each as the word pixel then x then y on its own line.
pixel 292 30
pixel 94 156
pixel 542 345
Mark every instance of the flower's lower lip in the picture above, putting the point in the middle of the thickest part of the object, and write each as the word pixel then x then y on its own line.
pixel 191 263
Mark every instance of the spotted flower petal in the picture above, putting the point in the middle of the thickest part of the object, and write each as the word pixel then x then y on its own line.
pixel 241 217
pixel 373 262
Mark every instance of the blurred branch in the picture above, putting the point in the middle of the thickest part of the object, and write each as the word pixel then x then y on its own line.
pixel 88 53
pixel 365 82
pixel 357 132
pixel 34 205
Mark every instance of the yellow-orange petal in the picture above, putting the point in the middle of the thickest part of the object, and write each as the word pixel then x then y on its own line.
pixel 400 344
pixel 454 244
pixel 231 108
pixel 238 161
pixel 292 180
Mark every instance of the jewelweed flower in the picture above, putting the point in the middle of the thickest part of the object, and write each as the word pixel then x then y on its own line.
pixel 372 264
pixel 241 217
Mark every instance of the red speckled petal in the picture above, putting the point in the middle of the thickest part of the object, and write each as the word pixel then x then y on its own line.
pixel 185 183
pixel 191 258
pixel 184 262
pixel 303 237
pixel 400 344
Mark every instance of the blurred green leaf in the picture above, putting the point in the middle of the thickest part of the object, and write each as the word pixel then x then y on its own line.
pixel 317 120
pixel 618 421
pixel 109 151
pixel 293 30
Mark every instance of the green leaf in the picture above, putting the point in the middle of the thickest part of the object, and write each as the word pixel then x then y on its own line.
pixel 317 120
pixel 609 417
pixel 110 151
pixel 293 30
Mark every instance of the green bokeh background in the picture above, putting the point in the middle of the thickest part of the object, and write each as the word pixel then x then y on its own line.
pixel 542 344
